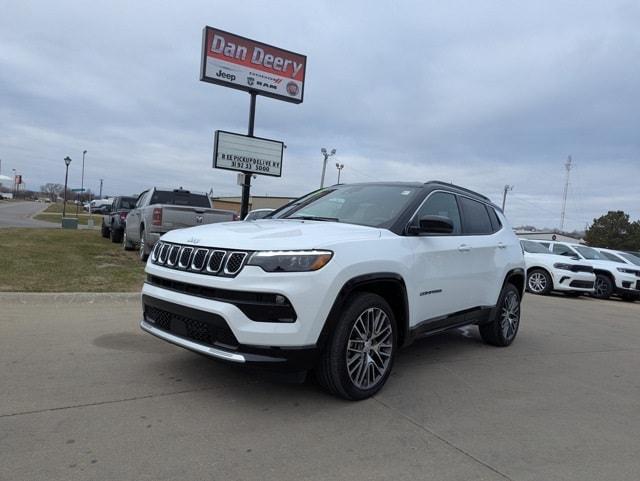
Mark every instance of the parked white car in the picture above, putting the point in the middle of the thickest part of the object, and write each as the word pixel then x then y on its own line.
pixel 548 272
pixel 338 280
pixel 611 277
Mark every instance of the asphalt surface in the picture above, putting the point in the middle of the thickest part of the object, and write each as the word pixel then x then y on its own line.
pixel 18 214
pixel 84 394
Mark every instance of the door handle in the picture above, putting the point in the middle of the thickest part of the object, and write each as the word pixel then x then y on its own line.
pixel 464 248
pixel 502 245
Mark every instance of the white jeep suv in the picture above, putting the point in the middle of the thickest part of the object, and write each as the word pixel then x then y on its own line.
pixel 338 280
pixel 548 272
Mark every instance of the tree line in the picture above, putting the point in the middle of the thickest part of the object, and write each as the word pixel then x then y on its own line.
pixel 614 230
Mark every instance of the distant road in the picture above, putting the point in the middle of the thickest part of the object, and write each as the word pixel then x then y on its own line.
pixel 18 214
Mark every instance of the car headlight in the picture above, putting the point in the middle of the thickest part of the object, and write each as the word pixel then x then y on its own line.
pixel 290 261
pixel 627 271
pixel 560 265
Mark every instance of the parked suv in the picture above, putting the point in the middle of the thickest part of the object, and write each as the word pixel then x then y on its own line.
pixel 548 272
pixel 114 220
pixel 160 210
pixel 611 277
pixel 338 280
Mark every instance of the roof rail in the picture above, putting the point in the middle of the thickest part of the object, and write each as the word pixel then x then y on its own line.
pixel 464 189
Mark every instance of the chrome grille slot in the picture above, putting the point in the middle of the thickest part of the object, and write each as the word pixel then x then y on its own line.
pixel 172 260
pixel 164 253
pixel 185 257
pixel 234 262
pixel 215 261
pixel 199 258
pixel 156 251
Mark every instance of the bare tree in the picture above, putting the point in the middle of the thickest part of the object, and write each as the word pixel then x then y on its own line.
pixel 52 190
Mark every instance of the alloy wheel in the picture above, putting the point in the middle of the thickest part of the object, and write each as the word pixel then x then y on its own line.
pixel 369 348
pixel 510 315
pixel 601 287
pixel 537 282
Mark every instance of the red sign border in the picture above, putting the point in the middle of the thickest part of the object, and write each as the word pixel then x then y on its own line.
pixel 224 83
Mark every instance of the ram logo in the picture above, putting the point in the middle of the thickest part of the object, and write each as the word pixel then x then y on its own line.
pixel 199 219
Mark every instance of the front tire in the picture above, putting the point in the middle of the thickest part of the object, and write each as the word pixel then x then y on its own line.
pixel 502 330
pixel 143 252
pixel 358 357
pixel 539 282
pixel 603 287
pixel 115 235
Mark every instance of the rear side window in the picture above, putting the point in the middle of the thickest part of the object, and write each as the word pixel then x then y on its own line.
pixel 444 205
pixel 475 217
pixel 180 197
pixel 495 220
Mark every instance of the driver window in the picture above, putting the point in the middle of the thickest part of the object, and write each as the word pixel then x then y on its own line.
pixel 441 204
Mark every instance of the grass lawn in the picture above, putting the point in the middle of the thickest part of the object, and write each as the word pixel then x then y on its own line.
pixel 53 213
pixel 59 260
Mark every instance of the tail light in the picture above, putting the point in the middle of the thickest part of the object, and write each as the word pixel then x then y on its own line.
pixel 235 217
pixel 123 215
pixel 157 216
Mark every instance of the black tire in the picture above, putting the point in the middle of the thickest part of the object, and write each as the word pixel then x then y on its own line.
pixel 115 235
pixel 603 287
pixel 126 245
pixel 104 231
pixel 503 328
pixel 539 282
pixel 143 252
pixel 333 372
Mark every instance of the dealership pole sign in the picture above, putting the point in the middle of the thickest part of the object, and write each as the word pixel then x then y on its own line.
pixel 240 63
pixel 247 154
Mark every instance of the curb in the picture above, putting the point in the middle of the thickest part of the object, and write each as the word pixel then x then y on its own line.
pixel 68 297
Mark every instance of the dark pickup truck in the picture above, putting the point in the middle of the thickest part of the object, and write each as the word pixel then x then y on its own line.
pixel 114 220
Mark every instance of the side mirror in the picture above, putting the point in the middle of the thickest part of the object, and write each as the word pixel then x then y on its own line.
pixel 433 224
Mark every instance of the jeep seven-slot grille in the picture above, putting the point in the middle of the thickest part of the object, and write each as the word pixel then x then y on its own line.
pixel 204 260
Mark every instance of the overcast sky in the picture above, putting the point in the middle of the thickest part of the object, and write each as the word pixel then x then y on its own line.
pixel 480 93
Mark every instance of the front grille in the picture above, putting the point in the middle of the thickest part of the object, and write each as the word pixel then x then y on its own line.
pixel 581 268
pixel 582 284
pixel 209 329
pixel 202 259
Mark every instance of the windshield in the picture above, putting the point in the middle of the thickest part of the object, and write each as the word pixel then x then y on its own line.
pixel 372 205
pixel 180 197
pixel 534 247
pixel 257 214
pixel 590 253
pixel 631 258
pixel 612 257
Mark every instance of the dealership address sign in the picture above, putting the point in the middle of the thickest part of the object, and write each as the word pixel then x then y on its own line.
pixel 247 154
pixel 244 64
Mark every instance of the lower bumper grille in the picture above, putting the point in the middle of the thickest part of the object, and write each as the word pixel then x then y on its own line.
pixel 209 329
pixel 582 284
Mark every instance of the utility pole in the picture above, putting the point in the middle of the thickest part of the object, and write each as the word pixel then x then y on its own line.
pixel 567 166
pixel 324 165
pixel 507 188
pixel 100 197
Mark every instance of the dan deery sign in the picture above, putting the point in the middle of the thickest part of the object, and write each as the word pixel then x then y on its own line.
pixel 247 154
pixel 244 64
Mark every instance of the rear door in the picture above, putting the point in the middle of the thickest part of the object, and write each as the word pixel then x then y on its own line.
pixel 481 245
pixel 134 218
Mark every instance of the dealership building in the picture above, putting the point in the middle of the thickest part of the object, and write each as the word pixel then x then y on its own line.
pixel 255 202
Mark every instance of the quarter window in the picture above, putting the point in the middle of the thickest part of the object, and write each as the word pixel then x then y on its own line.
pixel 441 204
pixel 476 217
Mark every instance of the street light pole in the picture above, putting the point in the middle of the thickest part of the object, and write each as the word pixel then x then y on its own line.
pixel 14 182
pixel 84 152
pixel 100 196
pixel 507 188
pixel 67 161
pixel 339 166
pixel 324 165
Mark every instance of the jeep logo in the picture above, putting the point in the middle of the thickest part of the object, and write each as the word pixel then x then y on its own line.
pixel 226 76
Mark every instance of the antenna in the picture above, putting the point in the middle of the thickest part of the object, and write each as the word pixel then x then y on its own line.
pixel 567 166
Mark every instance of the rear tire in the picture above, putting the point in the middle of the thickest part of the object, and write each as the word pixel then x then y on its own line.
pixel 115 235
pixel 359 356
pixel 104 231
pixel 143 253
pixel 126 245
pixel 502 330
pixel 539 282
pixel 603 287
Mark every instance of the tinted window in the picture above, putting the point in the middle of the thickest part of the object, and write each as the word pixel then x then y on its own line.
pixel 476 217
pixel 590 253
pixel 441 204
pixel 612 257
pixel 631 258
pixel 563 250
pixel 534 247
pixel 180 197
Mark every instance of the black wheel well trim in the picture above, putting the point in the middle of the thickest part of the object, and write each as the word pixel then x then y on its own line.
pixel 512 275
pixel 359 284
pixel 606 273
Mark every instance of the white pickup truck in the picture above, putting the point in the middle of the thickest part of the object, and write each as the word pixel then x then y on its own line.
pixel 158 211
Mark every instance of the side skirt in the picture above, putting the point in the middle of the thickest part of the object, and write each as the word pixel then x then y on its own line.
pixel 429 327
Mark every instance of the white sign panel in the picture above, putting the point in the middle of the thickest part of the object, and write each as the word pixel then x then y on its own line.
pixel 247 154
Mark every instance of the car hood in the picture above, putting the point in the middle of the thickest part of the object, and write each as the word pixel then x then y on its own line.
pixel 271 234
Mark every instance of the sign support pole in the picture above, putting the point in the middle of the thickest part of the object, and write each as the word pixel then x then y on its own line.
pixel 246 185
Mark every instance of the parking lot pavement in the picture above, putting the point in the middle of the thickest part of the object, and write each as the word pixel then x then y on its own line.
pixel 85 395
pixel 18 214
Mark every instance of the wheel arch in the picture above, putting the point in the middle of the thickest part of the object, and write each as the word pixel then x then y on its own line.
pixel 605 272
pixel 388 285
pixel 517 278
pixel 538 268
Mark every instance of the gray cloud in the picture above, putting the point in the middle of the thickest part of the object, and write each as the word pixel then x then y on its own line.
pixel 478 93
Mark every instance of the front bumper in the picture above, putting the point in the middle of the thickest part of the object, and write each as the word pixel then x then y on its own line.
pixel 209 334
pixel 627 284
pixel 568 281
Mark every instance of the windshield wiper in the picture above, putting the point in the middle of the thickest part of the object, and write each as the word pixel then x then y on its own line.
pixel 314 217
